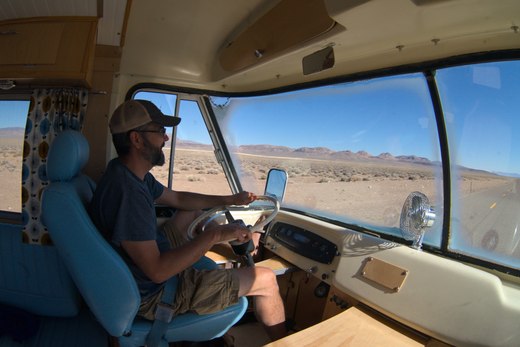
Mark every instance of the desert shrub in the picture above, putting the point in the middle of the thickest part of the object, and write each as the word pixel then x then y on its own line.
pixel 6 165
pixel 194 178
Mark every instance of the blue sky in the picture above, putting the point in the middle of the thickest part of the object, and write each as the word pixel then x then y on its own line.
pixel 482 106
pixel 13 114
pixel 392 115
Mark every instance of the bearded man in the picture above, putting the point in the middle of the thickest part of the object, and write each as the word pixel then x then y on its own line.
pixel 123 209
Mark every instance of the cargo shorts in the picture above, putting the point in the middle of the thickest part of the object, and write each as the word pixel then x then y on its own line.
pixel 199 291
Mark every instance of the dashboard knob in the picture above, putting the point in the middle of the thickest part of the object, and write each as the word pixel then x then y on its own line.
pixel 312 270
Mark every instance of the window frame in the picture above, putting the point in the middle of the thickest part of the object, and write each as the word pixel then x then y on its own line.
pixel 446 250
pixel 200 97
pixel 9 217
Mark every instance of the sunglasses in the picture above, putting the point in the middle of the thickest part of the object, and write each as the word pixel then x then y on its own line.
pixel 161 131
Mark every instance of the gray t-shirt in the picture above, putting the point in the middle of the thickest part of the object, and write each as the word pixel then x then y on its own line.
pixel 122 208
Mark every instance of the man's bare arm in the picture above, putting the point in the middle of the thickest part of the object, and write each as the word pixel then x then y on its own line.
pixel 195 201
pixel 160 266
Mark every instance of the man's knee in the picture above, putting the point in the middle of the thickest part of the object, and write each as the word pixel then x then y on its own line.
pixel 257 281
pixel 268 278
pixel 183 219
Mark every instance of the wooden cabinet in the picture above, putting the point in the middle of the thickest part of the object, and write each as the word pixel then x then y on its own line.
pixel 303 307
pixel 337 302
pixel 283 28
pixel 48 50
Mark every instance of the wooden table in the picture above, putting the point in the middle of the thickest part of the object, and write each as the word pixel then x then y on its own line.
pixel 352 327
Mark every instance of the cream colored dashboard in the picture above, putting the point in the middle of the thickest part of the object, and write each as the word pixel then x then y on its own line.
pixel 443 298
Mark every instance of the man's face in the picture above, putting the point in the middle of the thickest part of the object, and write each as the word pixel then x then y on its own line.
pixel 154 138
pixel 153 153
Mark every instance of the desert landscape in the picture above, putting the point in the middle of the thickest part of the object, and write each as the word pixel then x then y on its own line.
pixel 10 174
pixel 363 187
pixel 366 188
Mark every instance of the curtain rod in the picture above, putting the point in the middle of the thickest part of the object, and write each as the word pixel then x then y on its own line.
pixel 29 88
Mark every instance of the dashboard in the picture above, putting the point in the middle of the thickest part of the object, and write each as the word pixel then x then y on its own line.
pixel 305 243
pixel 422 290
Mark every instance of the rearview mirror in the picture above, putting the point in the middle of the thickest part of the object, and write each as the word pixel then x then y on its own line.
pixel 318 61
pixel 276 183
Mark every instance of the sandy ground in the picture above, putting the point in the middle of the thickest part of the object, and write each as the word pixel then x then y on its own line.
pixel 374 193
pixel 10 175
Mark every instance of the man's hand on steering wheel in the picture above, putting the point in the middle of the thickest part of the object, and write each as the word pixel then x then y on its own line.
pixel 231 232
pixel 243 198
pixel 208 217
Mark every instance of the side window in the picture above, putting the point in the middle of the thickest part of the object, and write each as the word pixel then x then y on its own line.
pixel 166 103
pixel 195 167
pixel 13 116
pixel 481 105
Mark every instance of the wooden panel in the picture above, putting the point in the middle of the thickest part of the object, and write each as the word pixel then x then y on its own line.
pixel 95 127
pixel 277 264
pixel 350 328
pixel 337 302
pixel 288 284
pixel 309 308
pixel 30 43
pixel 286 25
pixel 65 53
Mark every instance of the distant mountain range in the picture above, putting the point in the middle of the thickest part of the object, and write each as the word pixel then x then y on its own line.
pixel 11 132
pixel 281 151
pixel 312 153
pixel 322 153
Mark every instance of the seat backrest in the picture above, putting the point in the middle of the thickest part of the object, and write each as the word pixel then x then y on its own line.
pixel 102 277
pixel 34 277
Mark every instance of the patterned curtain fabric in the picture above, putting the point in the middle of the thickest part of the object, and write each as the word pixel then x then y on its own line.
pixel 51 111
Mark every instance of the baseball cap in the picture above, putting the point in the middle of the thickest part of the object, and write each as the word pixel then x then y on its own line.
pixel 134 113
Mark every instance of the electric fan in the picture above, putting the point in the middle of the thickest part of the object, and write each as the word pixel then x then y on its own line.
pixel 416 216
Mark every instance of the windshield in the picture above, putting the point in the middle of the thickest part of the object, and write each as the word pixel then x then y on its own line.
pixel 354 152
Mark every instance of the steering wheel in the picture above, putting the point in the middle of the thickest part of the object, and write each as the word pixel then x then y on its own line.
pixel 212 214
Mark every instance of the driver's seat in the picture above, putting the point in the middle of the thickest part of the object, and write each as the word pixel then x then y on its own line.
pixel 102 277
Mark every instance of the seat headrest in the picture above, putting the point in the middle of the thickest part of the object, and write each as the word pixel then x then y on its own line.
pixel 68 154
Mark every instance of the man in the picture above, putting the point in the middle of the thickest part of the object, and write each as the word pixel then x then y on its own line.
pixel 123 210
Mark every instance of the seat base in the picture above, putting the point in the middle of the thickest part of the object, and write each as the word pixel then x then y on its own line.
pixel 181 328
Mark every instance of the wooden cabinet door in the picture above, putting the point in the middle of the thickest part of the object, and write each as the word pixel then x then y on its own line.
pixel 47 50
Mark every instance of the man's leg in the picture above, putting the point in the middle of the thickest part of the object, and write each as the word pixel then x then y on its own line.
pixel 261 283
pixel 258 282
pixel 183 219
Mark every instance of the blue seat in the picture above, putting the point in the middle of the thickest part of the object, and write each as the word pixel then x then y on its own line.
pixel 102 277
